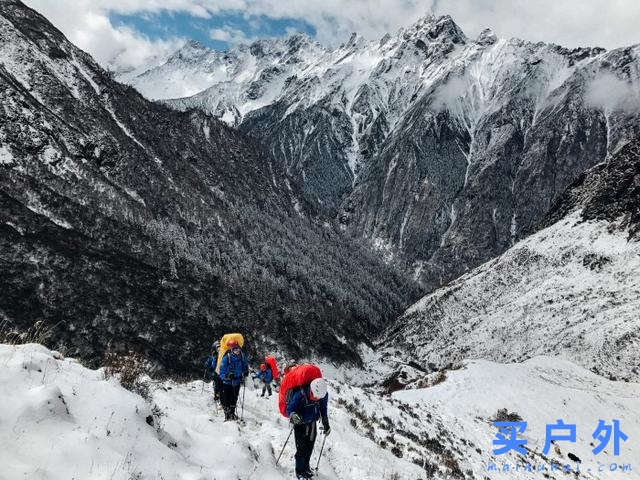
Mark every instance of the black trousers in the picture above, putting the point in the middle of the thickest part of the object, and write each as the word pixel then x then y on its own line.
pixel 266 388
pixel 217 386
pixel 305 436
pixel 229 396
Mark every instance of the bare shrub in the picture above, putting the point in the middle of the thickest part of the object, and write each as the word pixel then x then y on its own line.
pixel 440 377
pixel 127 367
pixel 503 415
pixel 452 465
pixel 37 333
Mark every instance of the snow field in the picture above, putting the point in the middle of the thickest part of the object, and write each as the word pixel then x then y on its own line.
pixel 59 420
pixel 571 290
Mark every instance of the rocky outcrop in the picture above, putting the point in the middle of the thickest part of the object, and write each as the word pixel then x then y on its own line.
pixel 609 191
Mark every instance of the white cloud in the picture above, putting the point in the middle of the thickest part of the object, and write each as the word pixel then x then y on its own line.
pixel 608 23
pixel 87 25
pixel 230 35
pixel 610 93
pixel 571 23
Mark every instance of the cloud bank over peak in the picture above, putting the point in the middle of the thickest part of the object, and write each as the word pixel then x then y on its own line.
pixel 88 23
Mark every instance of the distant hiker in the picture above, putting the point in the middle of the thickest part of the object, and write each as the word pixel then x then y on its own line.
pixel 233 369
pixel 210 364
pixel 217 382
pixel 304 399
pixel 272 365
pixel 267 377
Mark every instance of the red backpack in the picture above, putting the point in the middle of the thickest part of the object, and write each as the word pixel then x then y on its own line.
pixel 269 360
pixel 297 377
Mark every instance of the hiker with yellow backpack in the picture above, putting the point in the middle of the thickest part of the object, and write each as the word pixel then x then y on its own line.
pixel 234 368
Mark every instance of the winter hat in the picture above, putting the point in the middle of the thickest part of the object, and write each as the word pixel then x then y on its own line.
pixel 318 389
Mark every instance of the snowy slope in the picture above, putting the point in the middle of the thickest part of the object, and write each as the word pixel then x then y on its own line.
pixel 571 290
pixel 60 420
pixel 541 391
pixel 241 80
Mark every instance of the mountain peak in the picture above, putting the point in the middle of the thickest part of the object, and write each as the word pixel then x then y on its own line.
pixel 487 37
pixel 192 49
pixel 434 28
pixel 296 41
pixel 355 39
pixel 194 45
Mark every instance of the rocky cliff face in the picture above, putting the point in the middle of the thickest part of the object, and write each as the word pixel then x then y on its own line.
pixel 461 181
pixel 439 150
pixel 571 290
pixel 125 222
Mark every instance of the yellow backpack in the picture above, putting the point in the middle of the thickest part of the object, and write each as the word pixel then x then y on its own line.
pixel 224 346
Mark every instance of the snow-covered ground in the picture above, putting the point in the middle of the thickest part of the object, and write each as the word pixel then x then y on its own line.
pixel 59 420
pixel 571 290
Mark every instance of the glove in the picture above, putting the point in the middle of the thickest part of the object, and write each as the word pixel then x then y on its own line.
pixel 325 425
pixel 295 419
pixel 246 373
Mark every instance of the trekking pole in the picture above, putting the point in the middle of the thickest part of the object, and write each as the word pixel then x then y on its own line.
pixel 204 377
pixel 321 449
pixel 285 444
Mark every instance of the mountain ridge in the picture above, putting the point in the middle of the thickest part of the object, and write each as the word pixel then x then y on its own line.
pixel 436 150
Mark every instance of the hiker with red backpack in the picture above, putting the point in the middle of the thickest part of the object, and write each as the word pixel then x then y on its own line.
pixel 267 374
pixel 267 377
pixel 234 367
pixel 304 399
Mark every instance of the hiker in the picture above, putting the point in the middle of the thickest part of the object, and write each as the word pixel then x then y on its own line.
pixel 305 406
pixel 217 381
pixel 266 376
pixel 210 364
pixel 233 370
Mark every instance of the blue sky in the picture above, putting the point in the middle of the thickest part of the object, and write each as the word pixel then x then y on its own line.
pixel 209 31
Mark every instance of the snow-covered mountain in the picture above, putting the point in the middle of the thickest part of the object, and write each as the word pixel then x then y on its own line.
pixel 440 150
pixel 129 224
pixel 102 430
pixel 571 290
